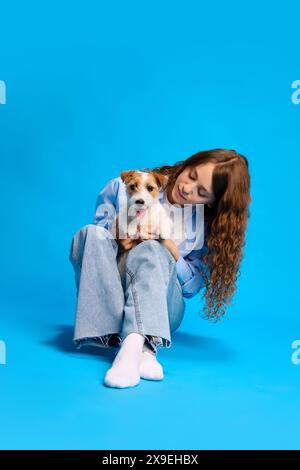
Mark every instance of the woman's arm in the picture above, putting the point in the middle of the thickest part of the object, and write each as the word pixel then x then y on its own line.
pixel 105 210
pixel 189 272
pixel 170 245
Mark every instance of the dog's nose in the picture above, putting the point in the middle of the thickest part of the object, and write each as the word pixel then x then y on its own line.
pixel 140 201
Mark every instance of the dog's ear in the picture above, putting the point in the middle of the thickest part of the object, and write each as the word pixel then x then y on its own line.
pixel 126 174
pixel 161 180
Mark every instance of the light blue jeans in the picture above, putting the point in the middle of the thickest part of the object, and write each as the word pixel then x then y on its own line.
pixel 149 301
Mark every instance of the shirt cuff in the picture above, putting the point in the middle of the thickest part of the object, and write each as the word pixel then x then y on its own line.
pixel 184 272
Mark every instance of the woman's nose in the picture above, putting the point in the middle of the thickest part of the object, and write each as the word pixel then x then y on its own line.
pixel 186 191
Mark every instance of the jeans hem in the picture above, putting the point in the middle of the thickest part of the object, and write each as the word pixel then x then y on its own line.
pixel 155 342
pixel 108 340
pixel 115 340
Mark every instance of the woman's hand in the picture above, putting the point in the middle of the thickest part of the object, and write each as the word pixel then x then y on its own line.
pixel 170 245
pixel 144 233
pixel 126 243
pixel 149 234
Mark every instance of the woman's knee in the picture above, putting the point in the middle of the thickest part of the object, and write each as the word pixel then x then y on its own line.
pixel 150 250
pixel 95 231
pixel 147 248
pixel 91 234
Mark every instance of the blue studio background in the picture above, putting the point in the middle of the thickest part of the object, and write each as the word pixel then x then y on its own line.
pixel 94 88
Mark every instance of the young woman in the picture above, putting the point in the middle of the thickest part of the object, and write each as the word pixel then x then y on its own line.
pixel 141 314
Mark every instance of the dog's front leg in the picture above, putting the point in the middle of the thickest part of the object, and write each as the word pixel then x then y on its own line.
pixel 133 228
pixel 166 228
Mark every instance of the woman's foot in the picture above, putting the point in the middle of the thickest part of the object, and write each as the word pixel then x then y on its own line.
pixel 150 368
pixel 124 371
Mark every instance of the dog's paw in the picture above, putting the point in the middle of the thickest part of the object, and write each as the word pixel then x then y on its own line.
pixel 132 233
pixel 165 234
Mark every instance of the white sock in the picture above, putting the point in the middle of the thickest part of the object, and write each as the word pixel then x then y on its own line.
pixel 150 368
pixel 124 371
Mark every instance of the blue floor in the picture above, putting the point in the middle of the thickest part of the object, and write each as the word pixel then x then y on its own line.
pixel 92 90
pixel 227 385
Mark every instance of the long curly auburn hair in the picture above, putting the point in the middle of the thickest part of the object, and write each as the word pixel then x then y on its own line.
pixel 226 222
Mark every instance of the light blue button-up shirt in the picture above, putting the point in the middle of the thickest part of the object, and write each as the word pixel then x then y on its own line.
pixel 190 260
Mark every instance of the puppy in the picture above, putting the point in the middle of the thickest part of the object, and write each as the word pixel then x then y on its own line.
pixel 143 208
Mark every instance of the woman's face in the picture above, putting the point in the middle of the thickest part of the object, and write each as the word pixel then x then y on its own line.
pixel 193 186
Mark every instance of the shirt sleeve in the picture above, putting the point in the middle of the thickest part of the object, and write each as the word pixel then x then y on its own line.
pixel 105 209
pixel 189 272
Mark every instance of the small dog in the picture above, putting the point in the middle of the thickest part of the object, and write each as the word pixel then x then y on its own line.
pixel 143 208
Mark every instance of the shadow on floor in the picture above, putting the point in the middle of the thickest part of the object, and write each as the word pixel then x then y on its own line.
pixel 191 347
pixel 185 346
pixel 63 341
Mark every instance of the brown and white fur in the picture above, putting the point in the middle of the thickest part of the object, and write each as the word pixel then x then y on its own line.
pixel 143 208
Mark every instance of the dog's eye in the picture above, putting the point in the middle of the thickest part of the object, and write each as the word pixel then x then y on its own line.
pixel 150 188
pixel 132 187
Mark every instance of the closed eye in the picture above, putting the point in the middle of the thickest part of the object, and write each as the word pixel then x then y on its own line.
pixel 202 195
